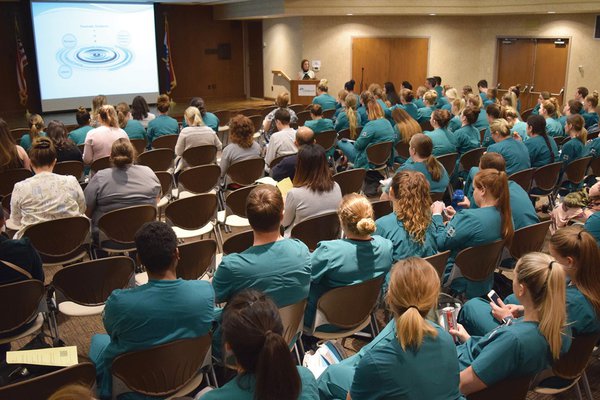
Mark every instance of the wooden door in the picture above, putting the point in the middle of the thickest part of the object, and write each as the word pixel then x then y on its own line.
pixel 550 67
pixel 408 61
pixel 515 67
pixel 255 58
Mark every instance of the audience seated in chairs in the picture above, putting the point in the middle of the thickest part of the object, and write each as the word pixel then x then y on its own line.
pixel 282 101
pixel 66 150
pixel 242 145
pixel 44 196
pixel 282 141
pixel 286 168
pixel 161 311
pixel 196 133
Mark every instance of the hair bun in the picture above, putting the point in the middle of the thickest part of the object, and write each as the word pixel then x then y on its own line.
pixel 366 226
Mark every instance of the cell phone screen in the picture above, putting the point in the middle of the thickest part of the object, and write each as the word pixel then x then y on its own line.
pixel 493 296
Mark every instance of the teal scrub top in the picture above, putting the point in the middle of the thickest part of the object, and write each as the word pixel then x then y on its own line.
pixel 521 128
pixel 390 227
pixel 326 101
pixel 425 113
pixel 434 186
pixel 442 103
pixel 592 148
pixel 135 130
pixel 455 123
pixel 554 128
pixel 441 142
pixel 209 119
pixel 536 109
pixel 487 138
pixel 342 123
pixel 78 135
pixel 539 153
pixel 572 150
pixel 469 227
pixel 377 131
pixel 592 225
pixel 419 103
pixel 411 109
pixel 447 106
pixel 385 108
pixel 465 139
pixel 345 262
pixel 364 116
pixel 319 125
pixel 280 269
pixel 162 125
pixel 590 119
pixel 243 387
pixel 515 154
pixel 482 121
pixel 26 141
pixel 563 121
pixel 158 312
pixel 515 350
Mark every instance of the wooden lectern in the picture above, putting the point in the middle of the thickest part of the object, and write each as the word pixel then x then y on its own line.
pixel 303 91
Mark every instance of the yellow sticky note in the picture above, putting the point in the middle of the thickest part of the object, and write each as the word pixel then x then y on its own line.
pixel 54 356
pixel 285 186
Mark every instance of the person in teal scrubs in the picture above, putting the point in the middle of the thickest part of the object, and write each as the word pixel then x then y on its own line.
pixel 576 250
pixel 571 107
pixel 409 226
pixel 83 120
pixel 542 149
pixel 318 124
pixel 429 100
pixel 442 144
pixel 516 125
pixel 412 357
pixel 523 212
pixel 473 227
pixel 405 127
pixel 163 310
pixel 209 119
pixel 592 225
pixel 521 347
pixel 418 100
pixel 493 112
pixel 450 94
pixel 482 87
pixel 457 106
pixel 357 258
pixel 324 99
pixel 162 124
pixel 36 129
pixel 514 151
pixel 349 118
pixel 467 137
pixel 590 106
pixel 574 148
pixel 407 104
pixel 252 333
pixel 362 109
pixel 548 110
pixel 379 95
pixel 377 130
pixel 132 127
pixel 543 96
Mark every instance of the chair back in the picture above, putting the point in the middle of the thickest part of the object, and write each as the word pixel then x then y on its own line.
pixel 236 200
pixel 575 172
pixel 328 113
pixel 248 112
pixel 223 116
pixel 546 177
pixel 560 140
pixel 195 258
pixel 523 178
pixel 297 108
pixel 382 208
pixel 303 116
pixel 165 142
pixel 529 239
pixel 402 149
pixel 200 179
pixel 449 162
pixel 426 126
pixel 482 135
pixel 511 388
pixel 525 114
pixel 139 145
pixel 238 242
pixel 478 262
pixel 89 283
pixel 471 158
pixel 44 386
pixel 246 172
pixel 51 240
pixel 439 261
pixel 571 364
pixel 256 121
pixel 100 164
pixel 315 229
pixel 166 182
pixel 292 317
pixel 21 301
pixel 277 160
pixel 595 166
pixel 326 139
pixel 162 370
pixel 121 225
pixel 350 181
pixel 18 133
pixel 344 134
pixel 159 159
pixel 379 153
pixel 9 178
pixel 347 307
pixel 73 168
pixel 192 212
pixel 266 110
pixel 200 155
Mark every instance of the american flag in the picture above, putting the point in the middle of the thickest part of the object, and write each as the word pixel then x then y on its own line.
pixel 21 64
pixel 168 60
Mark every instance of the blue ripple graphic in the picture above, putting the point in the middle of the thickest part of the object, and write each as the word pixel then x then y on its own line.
pixel 95 57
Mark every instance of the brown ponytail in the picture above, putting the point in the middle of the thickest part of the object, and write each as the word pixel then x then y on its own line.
pixel 108 116
pixel 496 184
pixel 122 114
pixel 442 117
pixel 36 126
pixel 578 124
pixel 423 146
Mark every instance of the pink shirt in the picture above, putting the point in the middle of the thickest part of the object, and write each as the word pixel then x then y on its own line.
pixel 98 142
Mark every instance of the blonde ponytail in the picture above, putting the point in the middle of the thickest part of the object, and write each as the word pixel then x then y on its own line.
pixel 351 101
pixel 356 215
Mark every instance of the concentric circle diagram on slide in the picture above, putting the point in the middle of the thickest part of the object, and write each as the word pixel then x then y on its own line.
pixel 93 56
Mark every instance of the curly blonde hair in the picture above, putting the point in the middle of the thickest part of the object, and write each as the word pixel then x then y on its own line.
pixel 412 203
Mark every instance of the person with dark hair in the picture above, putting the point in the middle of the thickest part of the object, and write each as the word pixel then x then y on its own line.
pixel 210 119
pixel 140 111
pixel 467 136
pixel 282 102
pixel 163 310
pixel 317 123
pixel 66 150
pixel 252 331
pixel 12 155
pixel 133 127
pixel 543 96
pixel 580 94
pixel 492 112
pixel 430 84
pixel 406 85
pixel 349 86
pixel 79 134
pixel 574 148
pixel 45 196
pixel 390 94
pixel 98 142
pixel 282 141
pixel 542 149
pixel 482 86
pixel 306 73
pixel 440 136
pixel 314 190
pixel 407 104
pixel 124 185
pixel 571 107
pixel 286 168
pixel 163 124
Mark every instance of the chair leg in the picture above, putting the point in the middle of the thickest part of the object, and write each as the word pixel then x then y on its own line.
pixel 579 397
pixel 297 354
pixel 586 385
pixel 373 326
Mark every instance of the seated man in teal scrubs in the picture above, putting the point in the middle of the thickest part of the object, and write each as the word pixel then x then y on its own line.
pixel 163 310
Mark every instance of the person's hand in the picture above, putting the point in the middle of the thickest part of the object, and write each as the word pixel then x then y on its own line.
pixel 461 333
pixel 437 207
pixel 465 203
pixel 516 310
pixel 516 136
pixel 500 310
pixel 449 211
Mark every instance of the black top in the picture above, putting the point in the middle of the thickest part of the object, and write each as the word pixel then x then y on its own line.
pixel 21 253
pixel 70 153
pixel 286 168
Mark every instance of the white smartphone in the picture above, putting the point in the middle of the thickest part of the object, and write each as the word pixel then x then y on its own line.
pixel 493 296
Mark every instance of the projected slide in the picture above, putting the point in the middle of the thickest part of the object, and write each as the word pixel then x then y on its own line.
pixel 86 49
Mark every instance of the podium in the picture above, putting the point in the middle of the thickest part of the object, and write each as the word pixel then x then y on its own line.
pixel 303 91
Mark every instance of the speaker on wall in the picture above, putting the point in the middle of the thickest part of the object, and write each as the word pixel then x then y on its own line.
pixel 597 30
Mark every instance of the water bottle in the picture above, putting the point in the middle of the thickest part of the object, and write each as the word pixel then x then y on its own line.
pixel 457 197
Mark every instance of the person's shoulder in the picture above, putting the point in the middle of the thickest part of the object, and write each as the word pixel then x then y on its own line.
pixel 380 241
pixel 296 244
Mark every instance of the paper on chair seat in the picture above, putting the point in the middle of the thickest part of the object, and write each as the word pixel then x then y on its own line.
pixel 54 356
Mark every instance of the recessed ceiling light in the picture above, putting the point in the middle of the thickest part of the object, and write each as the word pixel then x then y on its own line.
pixel 349 14
pixel 551 12
pixel 432 14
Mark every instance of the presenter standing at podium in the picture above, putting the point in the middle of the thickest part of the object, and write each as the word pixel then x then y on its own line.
pixel 306 72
